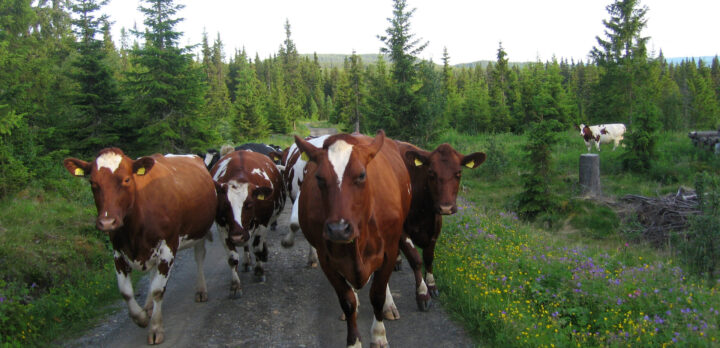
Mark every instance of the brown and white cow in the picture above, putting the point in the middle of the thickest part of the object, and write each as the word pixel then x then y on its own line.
pixel 250 198
pixel 435 179
pixel 151 208
pixel 353 201
pixel 602 134
pixel 293 175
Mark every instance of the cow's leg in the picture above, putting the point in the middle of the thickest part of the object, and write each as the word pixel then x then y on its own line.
pixel 383 306
pixel 201 286
pixel 312 260
pixel 348 302
pixel 233 262
pixel 261 253
pixel 148 307
pixel 398 262
pixel 422 297
pixel 247 259
pixel 289 239
pixel 123 271
pixel 429 257
pixel 156 334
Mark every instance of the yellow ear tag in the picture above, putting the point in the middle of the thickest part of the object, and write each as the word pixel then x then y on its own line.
pixel 470 164
pixel 418 162
pixel 261 197
pixel 79 172
pixel 141 171
pixel 304 157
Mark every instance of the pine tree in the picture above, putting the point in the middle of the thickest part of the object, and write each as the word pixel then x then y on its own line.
pixel 499 85
pixel 402 49
pixel 250 121
pixel 294 88
pixel 95 121
pixel 624 92
pixel 217 97
pixel 166 87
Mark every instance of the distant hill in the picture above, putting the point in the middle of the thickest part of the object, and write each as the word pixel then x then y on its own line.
pixel 677 60
pixel 337 60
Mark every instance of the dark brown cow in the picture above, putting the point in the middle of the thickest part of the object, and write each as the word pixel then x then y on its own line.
pixel 250 198
pixel 353 202
pixel 150 207
pixel 435 178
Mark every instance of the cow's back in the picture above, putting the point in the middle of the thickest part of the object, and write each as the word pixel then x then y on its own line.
pixel 176 195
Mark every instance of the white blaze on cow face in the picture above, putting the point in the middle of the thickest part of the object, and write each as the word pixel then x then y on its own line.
pixel 208 158
pixel 237 194
pixel 339 156
pixel 109 160
pixel 262 173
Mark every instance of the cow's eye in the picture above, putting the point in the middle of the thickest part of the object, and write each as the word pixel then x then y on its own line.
pixel 127 180
pixel 361 178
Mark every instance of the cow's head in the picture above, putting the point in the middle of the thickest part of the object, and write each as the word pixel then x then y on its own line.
pixel 442 171
pixel 238 205
pixel 341 178
pixel 112 179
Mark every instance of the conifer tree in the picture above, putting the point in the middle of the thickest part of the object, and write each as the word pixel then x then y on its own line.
pixel 217 98
pixel 166 87
pixel 292 79
pixel 95 119
pixel 379 111
pixel 402 47
pixel 250 121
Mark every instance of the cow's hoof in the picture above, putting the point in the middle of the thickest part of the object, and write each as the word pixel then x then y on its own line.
pixel 201 296
pixel 142 321
pixel 379 344
pixel 433 290
pixel 424 302
pixel 245 267
pixel 287 243
pixel 235 291
pixel 312 264
pixel 156 337
pixel 391 313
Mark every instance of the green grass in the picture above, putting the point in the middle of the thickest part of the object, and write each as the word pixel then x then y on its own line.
pixel 56 267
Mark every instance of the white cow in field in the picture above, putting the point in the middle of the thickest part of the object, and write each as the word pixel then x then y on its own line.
pixel 602 134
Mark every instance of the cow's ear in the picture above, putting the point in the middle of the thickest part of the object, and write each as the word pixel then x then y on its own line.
pixel 376 144
pixel 275 156
pixel 473 160
pixel 417 158
pixel 220 188
pixel 307 149
pixel 262 193
pixel 77 167
pixel 142 165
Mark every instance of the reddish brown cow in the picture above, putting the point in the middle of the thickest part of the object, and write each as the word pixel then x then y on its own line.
pixel 353 202
pixel 150 207
pixel 250 198
pixel 435 178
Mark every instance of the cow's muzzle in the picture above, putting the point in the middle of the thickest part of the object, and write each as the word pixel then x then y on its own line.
pixel 446 209
pixel 239 236
pixel 107 224
pixel 339 232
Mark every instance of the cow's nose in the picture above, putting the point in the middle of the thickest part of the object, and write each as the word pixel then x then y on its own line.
pixel 447 209
pixel 106 224
pixel 338 231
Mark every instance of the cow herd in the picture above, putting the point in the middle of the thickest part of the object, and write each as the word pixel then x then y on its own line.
pixel 358 200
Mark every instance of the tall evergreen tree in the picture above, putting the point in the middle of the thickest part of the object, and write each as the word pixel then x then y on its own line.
pixel 166 86
pixel 292 80
pixel 217 98
pixel 96 117
pixel 250 120
pixel 402 48
pixel 379 112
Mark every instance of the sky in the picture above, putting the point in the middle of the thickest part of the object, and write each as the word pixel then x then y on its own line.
pixel 471 30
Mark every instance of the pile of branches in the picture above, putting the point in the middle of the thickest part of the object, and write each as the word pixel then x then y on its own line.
pixel 659 217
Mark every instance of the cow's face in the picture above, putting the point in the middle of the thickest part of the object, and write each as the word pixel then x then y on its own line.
pixel 239 203
pixel 112 179
pixel 443 171
pixel 341 178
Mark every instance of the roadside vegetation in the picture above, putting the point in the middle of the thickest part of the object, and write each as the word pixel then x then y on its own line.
pixel 581 280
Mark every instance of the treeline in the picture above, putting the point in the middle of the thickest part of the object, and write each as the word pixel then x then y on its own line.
pixel 68 88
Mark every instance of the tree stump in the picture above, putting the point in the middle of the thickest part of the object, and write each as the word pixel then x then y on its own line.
pixel 590 174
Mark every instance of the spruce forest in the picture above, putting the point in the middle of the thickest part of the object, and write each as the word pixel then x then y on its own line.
pixel 68 88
